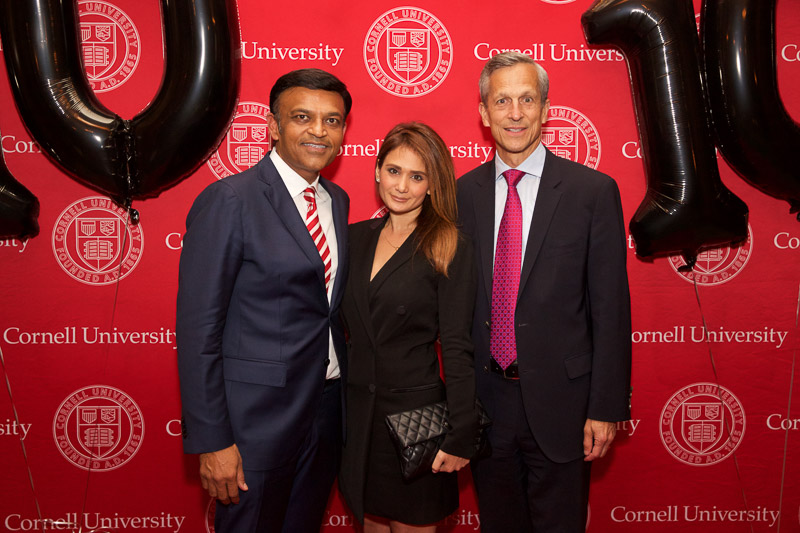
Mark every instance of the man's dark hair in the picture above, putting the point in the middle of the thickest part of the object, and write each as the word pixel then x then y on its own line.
pixel 309 78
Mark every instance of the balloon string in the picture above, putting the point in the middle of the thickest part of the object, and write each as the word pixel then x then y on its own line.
pixel 719 393
pixel 788 413
pixel 47 522
pixel 105 365
pixel 21 441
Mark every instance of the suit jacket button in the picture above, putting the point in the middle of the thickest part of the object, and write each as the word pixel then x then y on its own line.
pixel 327 362
pixel 401 309
pixel 487 325
pixel 372 388
pixel 486 368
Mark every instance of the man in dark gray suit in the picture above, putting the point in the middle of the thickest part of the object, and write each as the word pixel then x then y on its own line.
pixel 552 326
pixel 261 349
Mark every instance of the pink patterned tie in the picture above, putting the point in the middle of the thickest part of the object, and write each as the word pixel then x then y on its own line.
pixel 315 229
pixel 505 280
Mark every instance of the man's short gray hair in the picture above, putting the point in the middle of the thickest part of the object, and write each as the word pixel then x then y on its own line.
pixel 509 59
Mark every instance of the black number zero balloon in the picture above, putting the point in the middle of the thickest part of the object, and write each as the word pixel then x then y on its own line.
pixel 163 144
pixel 755 134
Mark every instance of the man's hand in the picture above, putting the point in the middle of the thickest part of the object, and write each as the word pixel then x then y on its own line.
pixel 444 462
pixel 597 438
pixel 222 475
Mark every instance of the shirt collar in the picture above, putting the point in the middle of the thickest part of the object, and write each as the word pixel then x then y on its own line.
pixel 533 165
pixel 294 182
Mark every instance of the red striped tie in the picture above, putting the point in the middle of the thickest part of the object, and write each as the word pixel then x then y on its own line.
pixel 315 229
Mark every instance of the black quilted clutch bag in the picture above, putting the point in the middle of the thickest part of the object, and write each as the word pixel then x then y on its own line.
pixel 418 433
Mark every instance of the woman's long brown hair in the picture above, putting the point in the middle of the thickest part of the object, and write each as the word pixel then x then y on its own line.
pixel 437 235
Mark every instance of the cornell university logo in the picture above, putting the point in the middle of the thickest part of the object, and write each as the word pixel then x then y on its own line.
pixel 570 134
pixel 408 52
pixel 98 428
pixel 110 44
pixel 718 265
pixel 702 424
pixel 246 142
pixel 93 243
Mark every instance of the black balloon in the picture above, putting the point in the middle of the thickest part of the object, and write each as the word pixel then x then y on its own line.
pixel 19 208
pixel 40 44
pixel 195 104
pixel 754 132
pixel 164 143
pixel 686 207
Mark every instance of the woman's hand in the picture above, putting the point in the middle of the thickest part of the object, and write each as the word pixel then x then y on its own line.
pixel 444 462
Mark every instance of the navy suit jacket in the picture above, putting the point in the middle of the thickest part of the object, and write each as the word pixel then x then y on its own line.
pixel 253 318
pixel 572 318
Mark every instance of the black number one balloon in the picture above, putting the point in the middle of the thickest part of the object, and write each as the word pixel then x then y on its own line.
pixel 686 207
pixel 681 93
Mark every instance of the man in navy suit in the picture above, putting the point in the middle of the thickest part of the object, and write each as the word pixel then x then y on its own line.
pixel 553 349
pixel 261 353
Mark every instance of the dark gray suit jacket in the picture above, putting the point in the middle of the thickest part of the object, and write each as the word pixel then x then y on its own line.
pixel 573 324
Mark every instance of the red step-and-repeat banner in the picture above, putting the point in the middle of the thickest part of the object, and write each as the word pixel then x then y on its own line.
pixel 87 315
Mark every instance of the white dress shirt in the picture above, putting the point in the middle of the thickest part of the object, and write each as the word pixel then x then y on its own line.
pixel 296 184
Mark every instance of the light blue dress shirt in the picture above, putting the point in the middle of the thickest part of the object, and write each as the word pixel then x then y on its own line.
pixel 528 189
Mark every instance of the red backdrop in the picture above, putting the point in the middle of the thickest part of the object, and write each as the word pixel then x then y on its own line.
pixel 83 349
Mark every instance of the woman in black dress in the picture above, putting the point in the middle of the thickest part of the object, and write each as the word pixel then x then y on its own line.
pixel 411 283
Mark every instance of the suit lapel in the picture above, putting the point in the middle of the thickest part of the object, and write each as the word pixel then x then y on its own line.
pixel 546 201
pixel 278 197
pixel 360 269
pixel 400 257
pixel 484 225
